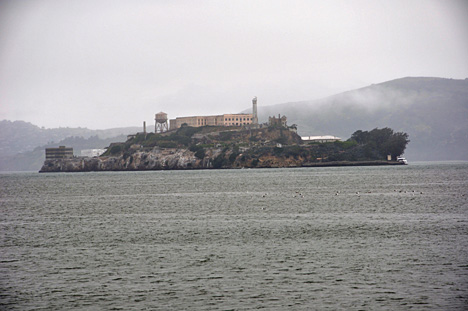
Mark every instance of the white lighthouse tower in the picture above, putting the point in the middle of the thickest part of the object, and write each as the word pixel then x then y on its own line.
pixel 254 112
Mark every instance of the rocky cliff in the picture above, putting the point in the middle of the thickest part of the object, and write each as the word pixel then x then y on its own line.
pixel 184 159
pixel 157 159
pixel 208 147
pixel 167 159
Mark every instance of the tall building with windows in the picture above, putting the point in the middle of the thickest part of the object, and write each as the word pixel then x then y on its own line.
pixel 238 119
pixel 61 152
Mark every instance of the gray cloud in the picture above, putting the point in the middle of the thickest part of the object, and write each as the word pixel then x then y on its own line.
pixel 105 64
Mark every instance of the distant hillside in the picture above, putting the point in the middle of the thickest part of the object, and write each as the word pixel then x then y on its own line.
pixel 22 144
pixel 33 160
pixel 20 136
pixel 433 111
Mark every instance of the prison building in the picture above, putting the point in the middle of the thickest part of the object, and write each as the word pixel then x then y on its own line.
pixel 241 119
pixel 61 152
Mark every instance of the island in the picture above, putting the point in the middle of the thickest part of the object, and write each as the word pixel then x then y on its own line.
pixel 226 147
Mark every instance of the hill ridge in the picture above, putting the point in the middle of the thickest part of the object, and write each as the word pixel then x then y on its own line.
pixel 432 110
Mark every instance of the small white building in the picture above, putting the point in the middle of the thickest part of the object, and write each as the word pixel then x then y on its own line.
pixel 92 152
pixel 320 139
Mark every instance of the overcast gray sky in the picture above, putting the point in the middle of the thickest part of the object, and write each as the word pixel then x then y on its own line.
pixel 102 64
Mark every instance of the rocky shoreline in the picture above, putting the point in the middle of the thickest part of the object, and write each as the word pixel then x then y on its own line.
pixel 184 159
pixel 191 148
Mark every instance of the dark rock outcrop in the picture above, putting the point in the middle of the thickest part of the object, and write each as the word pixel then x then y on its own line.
pixel 167 159
pixel 184 159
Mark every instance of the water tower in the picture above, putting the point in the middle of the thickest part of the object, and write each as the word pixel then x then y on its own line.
pixel 161 123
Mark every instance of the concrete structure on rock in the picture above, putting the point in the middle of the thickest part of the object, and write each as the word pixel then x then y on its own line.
pixel 280 121
pixel 61 152
pixel 218 120
pixel 238 119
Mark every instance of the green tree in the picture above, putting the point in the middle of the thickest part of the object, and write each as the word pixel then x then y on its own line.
pixel 360 137
pixel 396 145
pixel 381 142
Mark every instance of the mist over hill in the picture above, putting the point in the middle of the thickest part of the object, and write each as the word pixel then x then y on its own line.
pixel 22 144
pixel 19 136
pixel 433 111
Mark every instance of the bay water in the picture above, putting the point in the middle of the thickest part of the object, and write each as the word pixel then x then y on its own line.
pixel 337 238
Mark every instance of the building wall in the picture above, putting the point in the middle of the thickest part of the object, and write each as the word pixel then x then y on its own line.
pixel 237 119
pixel 281 120
pixel 218 120
pixel 172 124
pixel 59 153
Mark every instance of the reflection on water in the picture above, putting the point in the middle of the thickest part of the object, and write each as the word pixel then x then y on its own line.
pixel 314 238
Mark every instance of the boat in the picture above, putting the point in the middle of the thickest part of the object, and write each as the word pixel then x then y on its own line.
pixel 402 160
